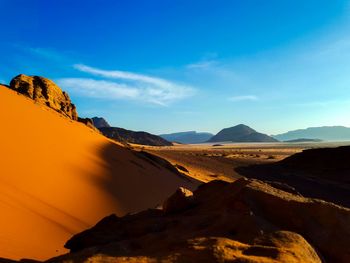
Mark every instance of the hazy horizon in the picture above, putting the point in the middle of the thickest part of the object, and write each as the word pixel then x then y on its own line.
pixel 173 66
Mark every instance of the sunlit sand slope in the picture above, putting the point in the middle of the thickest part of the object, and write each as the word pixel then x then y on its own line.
pixel 58 177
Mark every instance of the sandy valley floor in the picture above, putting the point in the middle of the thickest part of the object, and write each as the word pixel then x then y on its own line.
pixel 206 162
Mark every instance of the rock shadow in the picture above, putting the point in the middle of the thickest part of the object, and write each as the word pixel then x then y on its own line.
pixel 315 173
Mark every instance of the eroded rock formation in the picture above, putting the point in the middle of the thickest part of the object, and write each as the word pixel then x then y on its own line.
pixel 244 221
pixel 46 92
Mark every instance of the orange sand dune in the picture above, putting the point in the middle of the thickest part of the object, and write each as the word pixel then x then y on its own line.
pixel 58 177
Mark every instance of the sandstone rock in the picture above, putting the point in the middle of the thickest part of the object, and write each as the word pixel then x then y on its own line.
pixel 180 200
pixel 283 186
pixel 244 221
pixel 286 247
pixel 325 224
pixel 46 92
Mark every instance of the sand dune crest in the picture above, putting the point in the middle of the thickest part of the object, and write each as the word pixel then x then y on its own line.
pixel 59 177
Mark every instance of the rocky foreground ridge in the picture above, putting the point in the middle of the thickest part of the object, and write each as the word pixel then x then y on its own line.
pixel 244 221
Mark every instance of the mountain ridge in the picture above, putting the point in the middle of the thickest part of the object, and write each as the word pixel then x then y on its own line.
pixel 136 137
pixel 326 133
pixel 187 137
pixel 100 122
pixel 241 133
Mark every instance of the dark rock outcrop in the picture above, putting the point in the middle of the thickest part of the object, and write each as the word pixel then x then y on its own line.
pixel 318 173
pixel 100 122
pixel 244 221
pixel 88 122
pixel 137 137
pixel 240 133
pixel 327 163
pixel 46 92
pixel 180 200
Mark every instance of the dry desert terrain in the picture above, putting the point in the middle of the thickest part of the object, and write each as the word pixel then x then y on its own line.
pixel 207 162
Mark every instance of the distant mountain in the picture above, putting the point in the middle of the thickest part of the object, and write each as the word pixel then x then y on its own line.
pixel 241 133
pixel 326 133
pixel 187 137
pixel 304 140
pixel 100 122
pixel 137 137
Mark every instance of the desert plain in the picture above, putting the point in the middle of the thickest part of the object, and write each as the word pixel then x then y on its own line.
pixel 208 161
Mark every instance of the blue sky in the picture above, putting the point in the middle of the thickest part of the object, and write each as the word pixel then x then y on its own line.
pixel 177 65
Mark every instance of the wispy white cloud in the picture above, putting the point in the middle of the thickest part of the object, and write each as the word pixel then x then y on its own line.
pixel 126 85
pixel 117 74
pixel 243 98
pixel 98 88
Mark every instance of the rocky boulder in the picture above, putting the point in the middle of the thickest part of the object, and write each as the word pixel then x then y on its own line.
pixel 46 92
pixel 244 221
pixel 180 200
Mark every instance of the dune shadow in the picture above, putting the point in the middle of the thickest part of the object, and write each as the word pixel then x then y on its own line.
pixel 139 180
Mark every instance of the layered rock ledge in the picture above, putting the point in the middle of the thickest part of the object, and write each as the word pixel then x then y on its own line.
pixel 46 92
pixel 244 221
